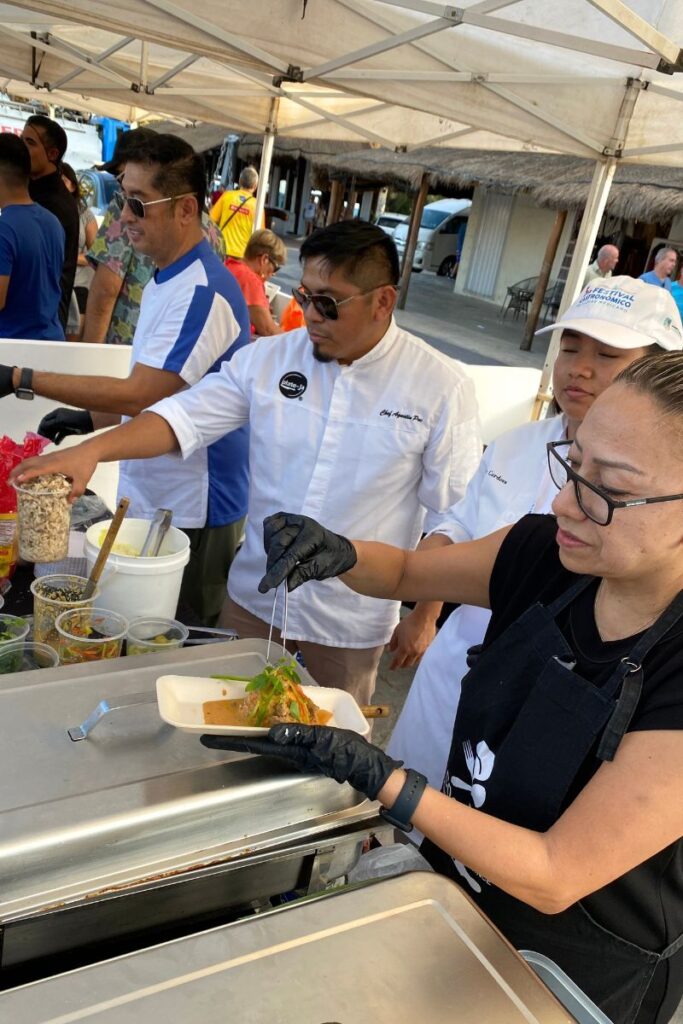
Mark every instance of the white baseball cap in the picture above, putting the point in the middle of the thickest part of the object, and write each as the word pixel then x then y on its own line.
pixel 625 313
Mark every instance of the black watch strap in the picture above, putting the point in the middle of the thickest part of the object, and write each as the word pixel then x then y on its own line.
pixel 25 387
pixel 406 802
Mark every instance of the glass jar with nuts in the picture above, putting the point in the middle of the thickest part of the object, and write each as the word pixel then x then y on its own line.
pixel 44 517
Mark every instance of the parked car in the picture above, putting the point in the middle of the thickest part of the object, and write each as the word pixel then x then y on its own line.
pixel 98 187
pixel 388 222
pixel 440 237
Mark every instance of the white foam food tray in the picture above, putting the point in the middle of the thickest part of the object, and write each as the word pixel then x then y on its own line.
pixel 180 700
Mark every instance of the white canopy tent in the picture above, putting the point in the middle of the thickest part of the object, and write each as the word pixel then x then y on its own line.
pixel 595 78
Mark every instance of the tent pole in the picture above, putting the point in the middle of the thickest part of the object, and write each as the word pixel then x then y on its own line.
pixel 543 278
pixel 592 215
pixel 266 160
pixel 411 240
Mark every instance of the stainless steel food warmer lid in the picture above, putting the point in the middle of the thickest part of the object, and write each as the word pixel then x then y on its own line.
pixel 136 798
pixel 403 950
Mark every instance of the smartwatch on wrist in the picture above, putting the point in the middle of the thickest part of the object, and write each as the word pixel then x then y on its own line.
pixel 24 390
pixel 406 802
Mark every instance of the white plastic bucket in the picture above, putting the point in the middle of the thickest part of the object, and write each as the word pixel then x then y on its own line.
pixel 139 586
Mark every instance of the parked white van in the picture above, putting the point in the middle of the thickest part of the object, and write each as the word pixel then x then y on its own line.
pixel 440 238
pixel 389 222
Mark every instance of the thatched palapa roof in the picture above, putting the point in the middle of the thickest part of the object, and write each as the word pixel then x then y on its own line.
pixel 288 149
pixel 640 192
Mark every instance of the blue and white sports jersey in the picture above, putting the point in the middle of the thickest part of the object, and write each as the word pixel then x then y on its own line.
pixel 193 318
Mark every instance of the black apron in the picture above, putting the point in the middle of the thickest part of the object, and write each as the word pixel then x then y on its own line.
pixel 526 714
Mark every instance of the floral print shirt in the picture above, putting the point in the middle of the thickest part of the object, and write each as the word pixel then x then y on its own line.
pixel 112 249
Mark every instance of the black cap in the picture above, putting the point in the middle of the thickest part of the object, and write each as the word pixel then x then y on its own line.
pixel 126 144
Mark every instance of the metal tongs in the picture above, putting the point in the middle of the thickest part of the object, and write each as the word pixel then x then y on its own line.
pixel 215 635
pixel 158 528
pixel 283 631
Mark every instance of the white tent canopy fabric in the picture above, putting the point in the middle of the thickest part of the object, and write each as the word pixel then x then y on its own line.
pixel 553 74
pixel 138 79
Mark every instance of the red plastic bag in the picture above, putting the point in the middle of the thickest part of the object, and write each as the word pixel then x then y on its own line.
pixel 11 454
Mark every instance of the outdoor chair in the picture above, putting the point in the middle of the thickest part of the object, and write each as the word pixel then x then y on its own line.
pixel 552 300
pixel 518 297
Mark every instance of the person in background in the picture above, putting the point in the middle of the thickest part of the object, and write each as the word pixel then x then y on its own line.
pixel 31 252
pixel 264 255
pixel 603 332
pixel 235 213
pixel 86 236
pixel 310 211
pixel 665 264
pixel 352 416
pixel 216 191
pixel 47 142
pixel 677 291
pixel 122 270
pixel 193 319
pixel 603 264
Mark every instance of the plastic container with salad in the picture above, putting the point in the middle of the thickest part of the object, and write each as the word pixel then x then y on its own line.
pixel 154 636
pixel 25 656
pixel 13 633
pixel 90 634
pixel 53 595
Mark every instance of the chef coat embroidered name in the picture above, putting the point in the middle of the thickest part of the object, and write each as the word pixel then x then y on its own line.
pixel 402 415
pixel 497 476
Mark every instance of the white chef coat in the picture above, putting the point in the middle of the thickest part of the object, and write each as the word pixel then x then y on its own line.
pixel 374 450
pixel 511 481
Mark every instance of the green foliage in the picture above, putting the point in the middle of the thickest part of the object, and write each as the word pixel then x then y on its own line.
pixel 270 684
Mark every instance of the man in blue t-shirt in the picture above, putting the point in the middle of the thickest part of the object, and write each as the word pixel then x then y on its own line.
pixel 31 252
pixel 665 263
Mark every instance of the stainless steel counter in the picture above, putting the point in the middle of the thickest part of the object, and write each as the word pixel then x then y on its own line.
pixel 106 834
pixel 410 949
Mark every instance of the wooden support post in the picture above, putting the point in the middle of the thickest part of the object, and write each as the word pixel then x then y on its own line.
pixel 411 241
pixel 351 201
pixel 543 278
pixel 336 200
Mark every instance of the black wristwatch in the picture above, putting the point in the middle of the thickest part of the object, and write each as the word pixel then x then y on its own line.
pixel 406 802
pixel 24 390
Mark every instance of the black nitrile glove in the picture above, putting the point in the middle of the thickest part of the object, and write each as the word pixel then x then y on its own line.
pixel 6 386
pixel 299 549
pixel 340 754
pixel 61 423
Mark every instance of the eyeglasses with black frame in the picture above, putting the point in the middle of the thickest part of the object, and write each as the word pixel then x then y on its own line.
pixel 590 498
pixel 325 305
pixel 273 262
pixel 137 207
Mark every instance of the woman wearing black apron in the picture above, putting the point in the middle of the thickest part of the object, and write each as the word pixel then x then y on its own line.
pixel 561 811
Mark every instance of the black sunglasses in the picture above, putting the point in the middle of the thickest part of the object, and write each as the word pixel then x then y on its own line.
pixel 274 263
pixel 592 500
pixel 137 207
pixel 325 305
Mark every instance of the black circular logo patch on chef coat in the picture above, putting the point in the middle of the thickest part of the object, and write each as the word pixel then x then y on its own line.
pixel 293 384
